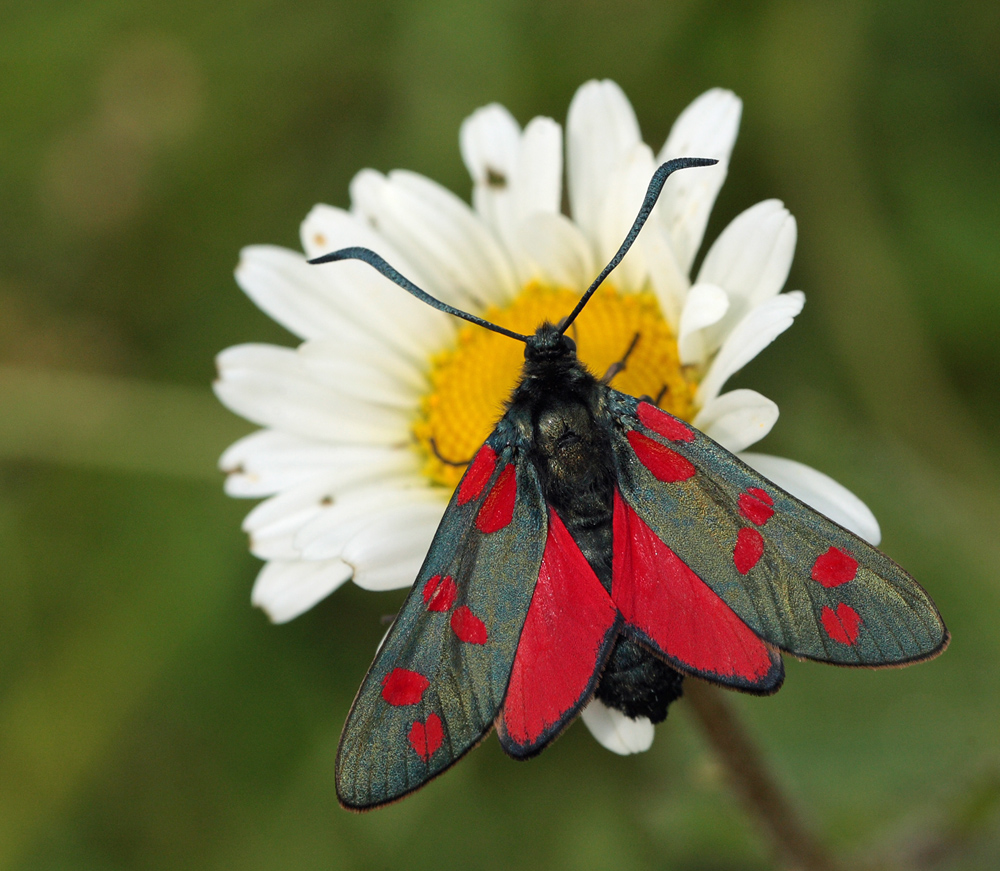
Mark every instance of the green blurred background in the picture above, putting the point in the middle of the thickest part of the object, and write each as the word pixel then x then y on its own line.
pixel 150 719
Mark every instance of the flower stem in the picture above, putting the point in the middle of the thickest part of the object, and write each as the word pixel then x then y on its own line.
pixel 752 780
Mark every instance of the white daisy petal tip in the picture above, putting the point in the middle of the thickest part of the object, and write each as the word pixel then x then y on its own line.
pixel 709 126
pixel 751 259
pixel 706 128
pixel 537 183
pixel 737 419
pixel 616 732
pixel 601 128
pixel 749 337
pixel 706 304
pixel 488 141
pixel 284 590
pixel 819 491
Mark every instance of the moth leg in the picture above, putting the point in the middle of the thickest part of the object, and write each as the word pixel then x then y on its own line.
pixel 618 367
pixel 664 390
pixel 445 460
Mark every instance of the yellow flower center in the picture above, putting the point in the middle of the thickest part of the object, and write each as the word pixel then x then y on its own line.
pixel 471 382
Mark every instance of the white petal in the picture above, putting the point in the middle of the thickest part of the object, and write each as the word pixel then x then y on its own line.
pixel 386 310
pixel 669 283
pixel 295 294
pixel 489 140
pixel 388 553
pixel 555 251
pixel 460 256
pixel 327 228
pixel 327 534
pixel 616 732
pixel 289 509
pixel 523 172
pixel 819 491
pixel 245 473
pixel 268 462
pixel 750 260
pixel 362 351
pixel 706 128
pixel 337 299
pixel 624 192
pixel 706 304
pixel 274 523
pixel 471 249
pixel 269 386
pixel 601 129
pixel 282 526
pixel 537 184
pixel 365 373
pixel 284 590
pixel 515 176
pixel 737 419
pixel 750 336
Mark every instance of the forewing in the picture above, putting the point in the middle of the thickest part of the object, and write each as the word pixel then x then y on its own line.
pixel 800 581
pixel 439 678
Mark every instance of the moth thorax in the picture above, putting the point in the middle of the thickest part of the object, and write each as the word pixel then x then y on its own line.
pixel 569 442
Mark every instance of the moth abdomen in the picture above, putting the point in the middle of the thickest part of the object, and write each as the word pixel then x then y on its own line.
pixel 637 683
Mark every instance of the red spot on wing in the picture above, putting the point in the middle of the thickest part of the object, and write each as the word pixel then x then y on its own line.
pixel 665 424
pixel 842 625
pixel 749 549
pixel 404 687
pixel 478 473
pixel 425 738
pixel 439 593
pixel 835 567
pixel 755 505
pixel 467 626
pixel 497 509
pixel 564 638
pixel 666 465
pixel 658 594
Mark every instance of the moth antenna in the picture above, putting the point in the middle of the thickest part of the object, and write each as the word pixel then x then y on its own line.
pixel 366 255
pixel 652 195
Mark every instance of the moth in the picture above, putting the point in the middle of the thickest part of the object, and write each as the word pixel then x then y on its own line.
pixel 598 546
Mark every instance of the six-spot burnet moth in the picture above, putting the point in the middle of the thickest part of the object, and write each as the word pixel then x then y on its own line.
pixel 598 546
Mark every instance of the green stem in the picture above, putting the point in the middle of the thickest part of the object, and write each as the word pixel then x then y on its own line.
pixel 752 780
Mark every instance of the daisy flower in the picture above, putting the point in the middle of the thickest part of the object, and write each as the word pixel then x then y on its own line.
pixel 368 424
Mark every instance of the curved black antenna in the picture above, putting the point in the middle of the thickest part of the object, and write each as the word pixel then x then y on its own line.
pixel 366 255
pixel 652 195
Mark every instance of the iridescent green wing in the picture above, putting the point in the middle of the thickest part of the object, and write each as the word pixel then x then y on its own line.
pixel 798 580
pixel 439 679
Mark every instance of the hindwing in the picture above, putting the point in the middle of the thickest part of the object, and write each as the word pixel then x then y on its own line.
pixel 798 580
pixel 568 635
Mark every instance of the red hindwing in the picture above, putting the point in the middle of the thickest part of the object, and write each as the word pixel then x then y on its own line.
pixel 662 598
pixel 567 635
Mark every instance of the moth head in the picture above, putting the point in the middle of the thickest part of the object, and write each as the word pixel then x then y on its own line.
pixel 548 345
